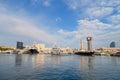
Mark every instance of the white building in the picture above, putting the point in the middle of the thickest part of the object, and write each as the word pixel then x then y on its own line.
pixel 66 50
pixel 40 47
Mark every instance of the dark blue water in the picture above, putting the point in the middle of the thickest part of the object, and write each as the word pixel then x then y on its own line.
pixel 53 67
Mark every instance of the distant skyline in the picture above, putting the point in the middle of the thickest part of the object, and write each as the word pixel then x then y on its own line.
pixel 64 22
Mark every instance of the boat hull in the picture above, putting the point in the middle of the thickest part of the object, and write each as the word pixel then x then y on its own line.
pixel 31 51
pixel 84 53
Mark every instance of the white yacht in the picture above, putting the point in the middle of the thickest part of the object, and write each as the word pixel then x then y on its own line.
pixel 55 50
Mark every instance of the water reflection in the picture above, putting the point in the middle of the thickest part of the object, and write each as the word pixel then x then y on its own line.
pixel 34 60
pixel 55 59
pixel 52 67
pixel 18 60
pixel 115 60
pixel 86 62
pixel 90 63
pixel 86 67
pixel 38 59
pixel 82 62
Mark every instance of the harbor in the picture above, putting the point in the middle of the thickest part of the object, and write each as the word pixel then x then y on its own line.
pixel 38 62
pixel 59 39
pixel 40 48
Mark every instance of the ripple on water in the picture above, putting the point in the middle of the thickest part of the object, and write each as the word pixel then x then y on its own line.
pixel 53 67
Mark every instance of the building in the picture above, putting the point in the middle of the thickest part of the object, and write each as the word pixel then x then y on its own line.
pixel 105 49
pixel 89 43
pixel 47 50
pixel 112 45
pixel 40 47
pixel 19 45
pixel 4 48
pixel 67 50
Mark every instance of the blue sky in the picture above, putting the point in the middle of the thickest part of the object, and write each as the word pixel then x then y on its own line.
pixel 64 22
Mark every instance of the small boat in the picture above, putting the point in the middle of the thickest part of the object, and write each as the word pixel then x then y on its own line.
pixel 104 54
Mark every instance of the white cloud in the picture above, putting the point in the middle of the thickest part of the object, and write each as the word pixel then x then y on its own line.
pixel 67 33
pixel 24 27
pixel 118 9
pixel 115 19
pixel 75 4
pixel 45 3
pixel 58 19
pixel 102 33
pixel 108 3
pixel 113 3
pixel 94 9
pixel 98 12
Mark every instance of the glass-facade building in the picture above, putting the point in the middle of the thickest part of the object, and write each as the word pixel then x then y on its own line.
pixel 19 45
pixel 112 44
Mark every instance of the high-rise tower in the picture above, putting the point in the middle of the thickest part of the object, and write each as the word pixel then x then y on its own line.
pixel 19 45
pixel 81 45
pixel 89 43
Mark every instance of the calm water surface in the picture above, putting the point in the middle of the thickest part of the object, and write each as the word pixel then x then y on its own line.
pixel 53 67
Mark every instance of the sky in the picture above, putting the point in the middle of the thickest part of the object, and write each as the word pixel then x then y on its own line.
pixel 64 22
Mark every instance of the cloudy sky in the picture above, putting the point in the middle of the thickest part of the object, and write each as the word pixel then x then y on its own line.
pixel 64 22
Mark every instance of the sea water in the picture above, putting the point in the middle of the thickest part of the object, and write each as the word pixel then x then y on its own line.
pixel 58 67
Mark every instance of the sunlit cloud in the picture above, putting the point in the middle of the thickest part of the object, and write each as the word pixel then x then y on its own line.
pixel 21 26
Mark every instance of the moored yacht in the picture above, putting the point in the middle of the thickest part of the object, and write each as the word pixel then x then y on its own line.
pixel 55 50
pixel 86 53
pixel 32 50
